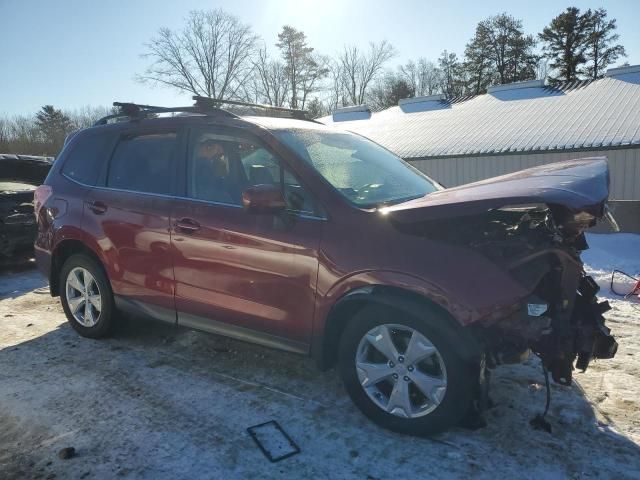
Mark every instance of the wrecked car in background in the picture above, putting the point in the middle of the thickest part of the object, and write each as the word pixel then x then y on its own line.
pixel 294 235
pixel 19 177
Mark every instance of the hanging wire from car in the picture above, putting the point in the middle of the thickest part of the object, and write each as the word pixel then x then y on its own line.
pixel 539 422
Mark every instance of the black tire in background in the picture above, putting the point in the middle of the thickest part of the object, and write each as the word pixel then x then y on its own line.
pixel 105 320
pixel 460 387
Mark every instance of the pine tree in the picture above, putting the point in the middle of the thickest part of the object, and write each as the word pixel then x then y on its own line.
pixel 509 48
pixel 301 65
pixel 54 126
pixel 564 44
pixel 601 50
pixel 315 108
pixel 478 63
pixel 388 91
pixel 499 52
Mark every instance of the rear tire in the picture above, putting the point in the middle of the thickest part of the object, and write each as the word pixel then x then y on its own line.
pixel 426 389
pixel 86 296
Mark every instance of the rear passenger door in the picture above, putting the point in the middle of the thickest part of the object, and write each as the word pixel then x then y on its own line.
pixel 128 215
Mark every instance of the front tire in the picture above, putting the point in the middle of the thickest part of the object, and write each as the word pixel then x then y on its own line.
pixel 405 373
pixel 86 296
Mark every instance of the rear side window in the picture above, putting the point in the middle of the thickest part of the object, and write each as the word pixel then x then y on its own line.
pixel 86 158
pixel 143 163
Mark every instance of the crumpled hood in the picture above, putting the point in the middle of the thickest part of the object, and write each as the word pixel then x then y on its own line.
pixel 579 185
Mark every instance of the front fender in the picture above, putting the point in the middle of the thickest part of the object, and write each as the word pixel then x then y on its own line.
pixel 401 291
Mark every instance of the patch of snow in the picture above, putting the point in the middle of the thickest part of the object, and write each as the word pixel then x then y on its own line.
pixel 608 252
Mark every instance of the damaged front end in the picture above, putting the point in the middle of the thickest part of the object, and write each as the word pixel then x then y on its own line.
pixel 530 224
pixel 561 320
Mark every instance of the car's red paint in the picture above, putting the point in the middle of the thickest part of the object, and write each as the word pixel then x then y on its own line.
pixel 281 274
pixel 131 233
pixel 254 270
pixel 579 185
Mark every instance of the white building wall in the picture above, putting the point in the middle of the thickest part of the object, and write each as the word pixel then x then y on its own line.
pixel 624 165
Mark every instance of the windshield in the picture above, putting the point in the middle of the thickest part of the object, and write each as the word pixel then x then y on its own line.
pixel 362 171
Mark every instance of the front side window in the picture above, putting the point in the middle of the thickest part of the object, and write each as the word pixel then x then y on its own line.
pixel 261 167
pixel 143 163
pixel 220 167
pixel 362 171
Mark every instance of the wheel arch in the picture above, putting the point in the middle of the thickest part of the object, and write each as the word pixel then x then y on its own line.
pixel 398 298
pixel 63 250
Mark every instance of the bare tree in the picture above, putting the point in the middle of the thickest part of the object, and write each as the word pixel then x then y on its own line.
pixel 542 69
pixel 423 77
pixel 359 68
pixel 272 80
pixel 336 93
pixel 21 135
pixel 453 80
pixel 310 79
pixel 211 56
pixel 4 135
pixel 86 116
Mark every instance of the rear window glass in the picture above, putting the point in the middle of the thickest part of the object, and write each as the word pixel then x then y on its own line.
pixel 142 163
pixel 86 158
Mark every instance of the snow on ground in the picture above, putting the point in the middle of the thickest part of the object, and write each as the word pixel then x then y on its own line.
pixel 156 402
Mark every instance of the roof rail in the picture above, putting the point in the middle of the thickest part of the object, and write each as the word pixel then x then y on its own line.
pixel 215 103
pixel 203 106
pixel 138 111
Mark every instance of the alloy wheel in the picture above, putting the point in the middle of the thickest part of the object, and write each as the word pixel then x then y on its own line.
pixel 83 297
pixel 401 370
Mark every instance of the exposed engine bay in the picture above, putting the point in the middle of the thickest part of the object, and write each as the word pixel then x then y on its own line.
pixel 561 320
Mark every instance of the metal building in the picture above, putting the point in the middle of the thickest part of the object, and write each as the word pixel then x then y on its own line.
pixel 512 127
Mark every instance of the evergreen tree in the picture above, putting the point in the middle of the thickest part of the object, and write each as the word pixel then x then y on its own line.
pixel 388 91
pixel 53 126
pixel 499 52
pixel 303 68
pixel 565 42
pixel 602 49
pixel 510 50
pixel 478 63
pixel 316 109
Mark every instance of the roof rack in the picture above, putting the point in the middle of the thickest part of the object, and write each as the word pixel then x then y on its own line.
pixel 267 109
pixel 202 106
pixel 137 111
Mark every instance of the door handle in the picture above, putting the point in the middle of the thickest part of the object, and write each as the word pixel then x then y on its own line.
pixel 187 225
pixel 97 207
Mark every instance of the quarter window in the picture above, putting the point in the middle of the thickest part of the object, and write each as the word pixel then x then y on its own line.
pixel 143 163
pixel 86 158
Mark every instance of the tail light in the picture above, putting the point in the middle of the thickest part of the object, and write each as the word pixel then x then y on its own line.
pixel 40 197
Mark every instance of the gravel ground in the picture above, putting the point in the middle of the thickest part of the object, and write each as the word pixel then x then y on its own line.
pixel 157 402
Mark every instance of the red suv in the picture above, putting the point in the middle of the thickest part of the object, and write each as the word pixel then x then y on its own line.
pixel 295 235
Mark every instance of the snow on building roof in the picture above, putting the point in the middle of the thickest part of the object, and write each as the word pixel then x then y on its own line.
pixel 522 117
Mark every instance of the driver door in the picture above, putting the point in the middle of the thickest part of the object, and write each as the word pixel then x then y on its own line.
pixel 245 275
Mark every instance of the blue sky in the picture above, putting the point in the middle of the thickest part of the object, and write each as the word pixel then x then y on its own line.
pixel 73 53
